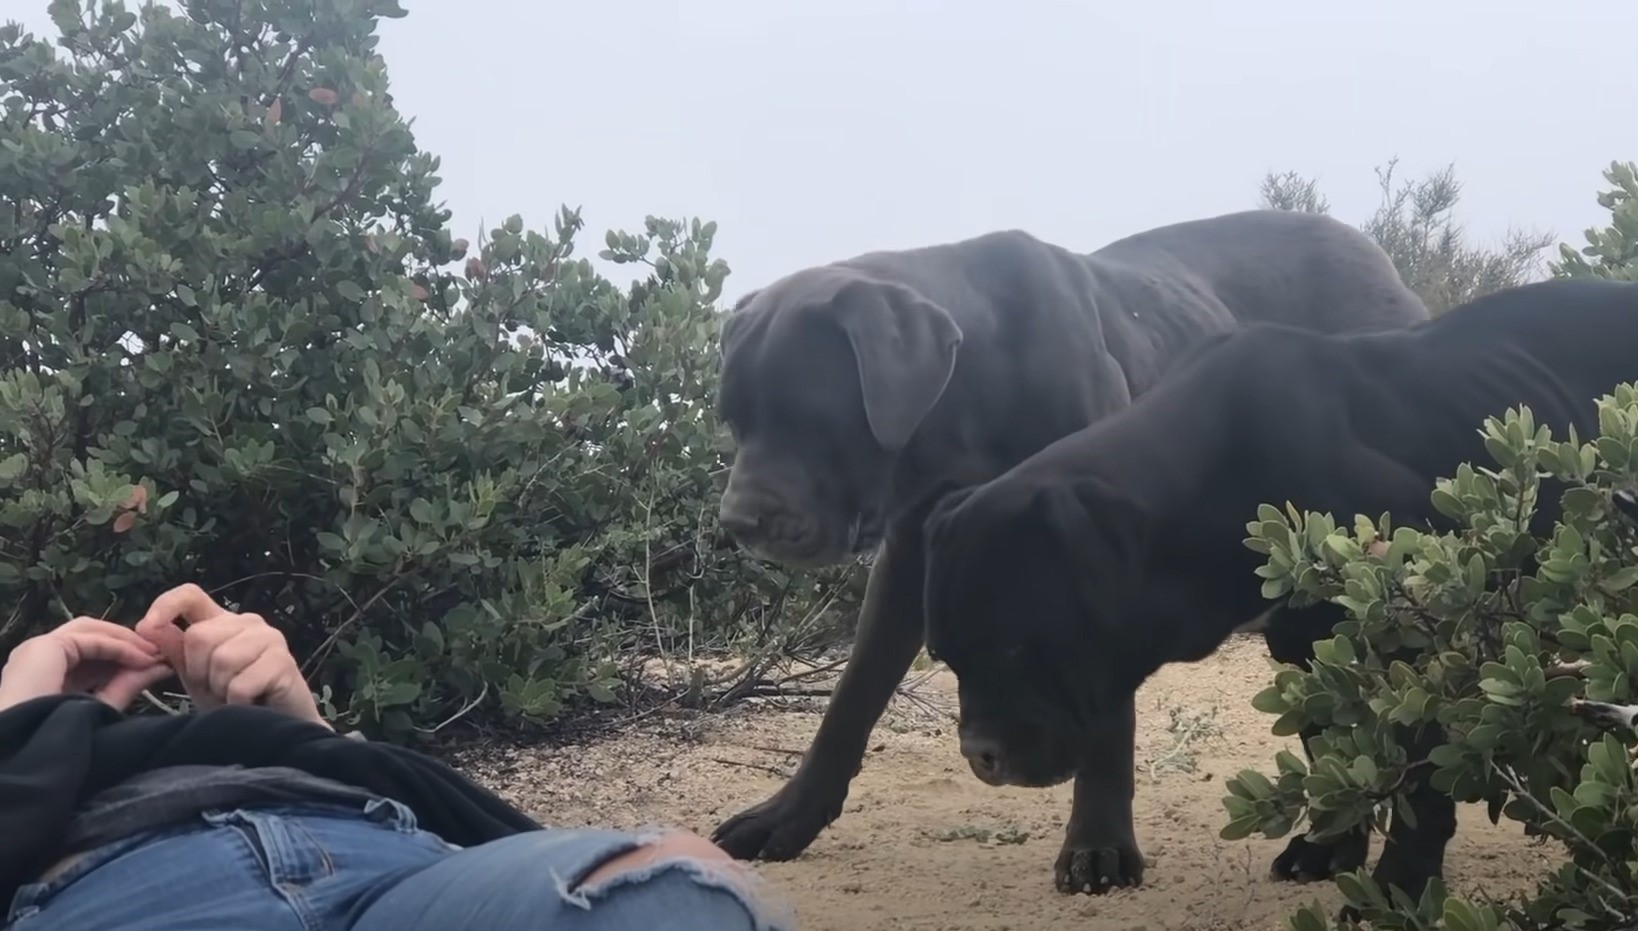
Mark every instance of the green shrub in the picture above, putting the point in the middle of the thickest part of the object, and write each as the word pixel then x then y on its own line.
pixel 1611 252
pixel 1523 671
pixel 239 346
pixel 1531 675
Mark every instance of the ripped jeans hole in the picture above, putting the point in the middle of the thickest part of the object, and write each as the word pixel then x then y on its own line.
pixel 690 880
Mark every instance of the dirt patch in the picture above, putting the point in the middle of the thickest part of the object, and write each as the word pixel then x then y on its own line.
pixel 922 845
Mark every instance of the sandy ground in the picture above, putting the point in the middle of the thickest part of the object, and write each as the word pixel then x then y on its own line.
pixel 922 845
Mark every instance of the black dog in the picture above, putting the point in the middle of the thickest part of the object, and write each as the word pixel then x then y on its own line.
pixel 1056 589
pixel 859 391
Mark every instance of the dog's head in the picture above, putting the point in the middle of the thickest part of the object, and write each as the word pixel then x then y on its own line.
pixel 825 377
pixel 1029 597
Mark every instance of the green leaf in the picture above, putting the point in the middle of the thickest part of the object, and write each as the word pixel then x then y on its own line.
pixel 1309 919
pixel 1270 701
pixel 1353 888
pixel 13 466
pixel 1287 724
pixel 1256 783
pixel 1239 828
pixel 434 636
pixel 244 139
pixel 319 416
pixel 1620 580
pixel 1447 504
pixel 1290 763
pixel 399 693
pixel 1364 769
pixel 1446 755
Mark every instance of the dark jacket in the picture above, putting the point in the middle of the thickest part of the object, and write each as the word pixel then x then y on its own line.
pixel 59 750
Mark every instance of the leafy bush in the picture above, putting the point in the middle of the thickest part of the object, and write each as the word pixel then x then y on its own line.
pixel 1524 651
pixel 1611 252
pixel 238 346
pixel 1524 670
pixel 1415 224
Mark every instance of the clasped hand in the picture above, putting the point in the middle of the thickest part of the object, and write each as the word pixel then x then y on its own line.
pixel 220 657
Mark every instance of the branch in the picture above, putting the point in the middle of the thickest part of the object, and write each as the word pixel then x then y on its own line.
pixel 1513 782
pixel 1627 504
pixel 318 655
pixel 1605 715
pixel 459 714
pixel 1577 669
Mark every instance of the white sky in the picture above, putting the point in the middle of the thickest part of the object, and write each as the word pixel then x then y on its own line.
pixel 816 129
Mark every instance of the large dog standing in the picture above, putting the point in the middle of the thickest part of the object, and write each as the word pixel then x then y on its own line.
pixel 1054 590
pixel 859 391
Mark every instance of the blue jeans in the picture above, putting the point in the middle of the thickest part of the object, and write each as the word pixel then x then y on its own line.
pixel 329 868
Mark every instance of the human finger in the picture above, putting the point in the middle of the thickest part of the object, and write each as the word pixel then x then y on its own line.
pixel 185 603
pixel 200 643
pixel 262 680
pixel 271 677
pixel 124 686
pixel 86 645
pixel 96 626
pixel 232 655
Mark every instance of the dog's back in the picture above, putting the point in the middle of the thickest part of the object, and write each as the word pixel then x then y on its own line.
pixel 1420 395
pixel 1271 412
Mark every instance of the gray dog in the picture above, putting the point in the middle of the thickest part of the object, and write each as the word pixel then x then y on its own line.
pixel 861 391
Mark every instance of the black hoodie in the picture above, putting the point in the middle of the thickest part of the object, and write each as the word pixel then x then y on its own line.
pixel 59 750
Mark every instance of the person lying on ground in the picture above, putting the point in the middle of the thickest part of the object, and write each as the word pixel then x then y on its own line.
pixel 252 813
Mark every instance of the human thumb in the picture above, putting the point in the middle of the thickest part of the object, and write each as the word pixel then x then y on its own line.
pixel 164 633
pixel 124 686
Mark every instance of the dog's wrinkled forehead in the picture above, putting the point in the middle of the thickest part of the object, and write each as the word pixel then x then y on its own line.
pixel 793 386
pixel 831 341
pixel 785 365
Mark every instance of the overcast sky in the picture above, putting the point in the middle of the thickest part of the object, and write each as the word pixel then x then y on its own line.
pixel 812 130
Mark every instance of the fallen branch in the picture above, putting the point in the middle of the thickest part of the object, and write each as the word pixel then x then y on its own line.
pixel 784 751
pixel 773 690
pixel 459 714
pixel 154 700
pixel 776 771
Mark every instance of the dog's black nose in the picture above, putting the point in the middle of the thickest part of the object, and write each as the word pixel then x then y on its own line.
pixel 742 523
pixel 983 755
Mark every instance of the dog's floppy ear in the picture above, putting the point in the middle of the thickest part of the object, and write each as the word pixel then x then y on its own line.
pixel 905 346
pixel 1094 521
pixel 1090 511
pixel 938 516
pixel 937 556
pixel 732 326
